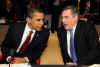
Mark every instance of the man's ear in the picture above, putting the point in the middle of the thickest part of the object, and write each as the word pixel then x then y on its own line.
pixel 28 20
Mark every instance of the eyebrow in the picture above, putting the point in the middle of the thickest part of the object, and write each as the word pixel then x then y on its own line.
pixel 64 16
pixel 39 19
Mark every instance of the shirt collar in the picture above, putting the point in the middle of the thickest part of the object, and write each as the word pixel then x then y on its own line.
pixel 74 27
pixel 73 30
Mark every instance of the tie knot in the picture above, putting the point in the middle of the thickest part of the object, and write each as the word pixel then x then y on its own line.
pixel 71 31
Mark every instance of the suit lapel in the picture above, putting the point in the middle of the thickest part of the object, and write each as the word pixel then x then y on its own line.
pixel 20 34
pixel 64 36
pixel 36 39
pixel 76 37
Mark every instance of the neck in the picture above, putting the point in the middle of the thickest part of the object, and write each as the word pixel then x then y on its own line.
pixel 30 26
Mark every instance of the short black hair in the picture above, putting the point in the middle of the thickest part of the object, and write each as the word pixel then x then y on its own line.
pixel 36 6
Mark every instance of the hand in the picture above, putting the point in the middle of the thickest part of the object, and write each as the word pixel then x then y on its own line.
pixel 18 60
pixel 9 59
pixel 71 63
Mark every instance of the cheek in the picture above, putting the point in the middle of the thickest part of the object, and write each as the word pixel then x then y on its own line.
pixel 33 25
pixel 36 25
pixel 70 20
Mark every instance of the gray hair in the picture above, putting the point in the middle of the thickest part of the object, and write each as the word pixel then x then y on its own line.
pixel 73 9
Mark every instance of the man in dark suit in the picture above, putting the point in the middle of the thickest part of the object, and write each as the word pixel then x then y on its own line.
pixel 17 36
pixel 85 49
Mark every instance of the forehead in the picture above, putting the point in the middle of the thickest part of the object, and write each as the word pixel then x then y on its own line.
pixel 38 14
pixel 66 12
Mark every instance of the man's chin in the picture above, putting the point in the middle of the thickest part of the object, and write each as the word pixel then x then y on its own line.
pixel 68 28
pixel 39 29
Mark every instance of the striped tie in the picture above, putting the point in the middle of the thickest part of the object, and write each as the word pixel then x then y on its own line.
pixel 26 43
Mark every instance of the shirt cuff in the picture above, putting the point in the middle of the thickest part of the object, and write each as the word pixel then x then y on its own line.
pixel 8 58
pixel 26 58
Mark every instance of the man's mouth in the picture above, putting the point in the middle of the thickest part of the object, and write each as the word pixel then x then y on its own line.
pixel 65 24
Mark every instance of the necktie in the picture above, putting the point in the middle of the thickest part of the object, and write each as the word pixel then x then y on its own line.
pixel 72 49
pixel 26 42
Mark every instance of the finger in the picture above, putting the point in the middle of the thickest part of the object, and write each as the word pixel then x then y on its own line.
pixel 13 61
pixel 10 59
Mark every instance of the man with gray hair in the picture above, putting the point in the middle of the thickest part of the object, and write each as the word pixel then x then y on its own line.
pixel 78 39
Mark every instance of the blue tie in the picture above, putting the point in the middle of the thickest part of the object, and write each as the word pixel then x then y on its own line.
pixel 72 49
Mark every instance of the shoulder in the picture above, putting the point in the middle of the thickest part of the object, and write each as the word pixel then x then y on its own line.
pixel 17 25
pixel 60 30
pixel 85 24
pixel 45 31
pixel 85 27
pixel 81 22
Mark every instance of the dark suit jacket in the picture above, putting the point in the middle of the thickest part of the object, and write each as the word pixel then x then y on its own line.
pixel 13 40
pixel 86 44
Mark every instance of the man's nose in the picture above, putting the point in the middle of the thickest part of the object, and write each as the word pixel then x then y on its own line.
pixel 41 22
pixel 63 20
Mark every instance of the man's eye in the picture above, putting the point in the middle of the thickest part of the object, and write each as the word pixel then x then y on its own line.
pixel 38 19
